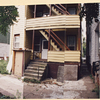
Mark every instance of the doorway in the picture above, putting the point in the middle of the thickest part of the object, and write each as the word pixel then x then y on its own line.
pixel 44 49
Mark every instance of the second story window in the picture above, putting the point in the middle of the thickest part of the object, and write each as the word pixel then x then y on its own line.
pixel 16 41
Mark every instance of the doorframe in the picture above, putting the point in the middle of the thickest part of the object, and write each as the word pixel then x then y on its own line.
pixel 42 48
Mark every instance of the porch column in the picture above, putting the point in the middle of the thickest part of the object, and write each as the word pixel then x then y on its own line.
pixel 23 63
pixel 79 5
pixel 33 43
pixel 34 11
pixel 79 42
pixel 13 62
pixel 50 10
pixel 49 41
pixel 33 32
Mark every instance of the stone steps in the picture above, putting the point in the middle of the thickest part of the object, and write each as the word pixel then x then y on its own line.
pixel 35 70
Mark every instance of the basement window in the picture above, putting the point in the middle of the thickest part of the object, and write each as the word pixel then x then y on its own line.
pixel 16 41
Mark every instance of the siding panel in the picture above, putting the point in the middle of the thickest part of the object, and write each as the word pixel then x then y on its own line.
pixel 53 21
pixel 19 27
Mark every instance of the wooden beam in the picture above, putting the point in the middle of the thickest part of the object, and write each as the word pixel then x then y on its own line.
pixel 79 42
pixel 49 41
pixel 23 63
pixel 33 43
pixel 79 5
pixel 50 10
pixel 13 62
pixel 34 11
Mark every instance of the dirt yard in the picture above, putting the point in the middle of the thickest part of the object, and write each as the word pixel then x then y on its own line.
pixel 68 90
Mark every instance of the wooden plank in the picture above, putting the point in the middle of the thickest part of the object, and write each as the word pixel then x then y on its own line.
pixel 49 41
pixel 61 56
pixel 50 21
pixel 34 11
pixel 50 10
pixel 53 27
pixel 58 52
pixel 79 42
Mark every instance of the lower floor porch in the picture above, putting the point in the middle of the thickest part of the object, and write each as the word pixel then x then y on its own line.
pixel 52 47
pixel 46 68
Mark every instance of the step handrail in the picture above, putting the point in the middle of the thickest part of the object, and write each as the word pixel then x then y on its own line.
pixel 55 40
pixel 60 9
pixel 64 8
pixel 60 40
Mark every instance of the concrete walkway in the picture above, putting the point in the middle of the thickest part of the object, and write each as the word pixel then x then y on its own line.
pixel 11 86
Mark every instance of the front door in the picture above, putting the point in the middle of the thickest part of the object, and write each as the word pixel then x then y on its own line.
pixel 44 49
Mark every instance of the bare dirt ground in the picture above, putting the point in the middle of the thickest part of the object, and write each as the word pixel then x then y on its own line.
pixel 80 89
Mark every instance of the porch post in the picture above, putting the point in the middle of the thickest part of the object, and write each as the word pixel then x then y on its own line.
pixel 33 43
pixel 50 10
pixel 23 63
pixel 79 42
pixel 49 41
pixel 34 11
pixel 79 5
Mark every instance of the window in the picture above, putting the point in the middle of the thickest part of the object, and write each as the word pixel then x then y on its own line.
pixel 45 44
pixel 37 47
pixel 72 11
pixel 16 41
pixel 71 42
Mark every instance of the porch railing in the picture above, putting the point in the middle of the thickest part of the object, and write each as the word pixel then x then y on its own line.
pixel 62 21
pixel 63 56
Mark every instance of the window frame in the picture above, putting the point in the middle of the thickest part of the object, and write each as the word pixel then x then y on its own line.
pixel 16 42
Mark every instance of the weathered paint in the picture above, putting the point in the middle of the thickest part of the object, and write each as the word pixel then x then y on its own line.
pixel 53 21
pixel 63 56
pixel 19 27
pixel 18 63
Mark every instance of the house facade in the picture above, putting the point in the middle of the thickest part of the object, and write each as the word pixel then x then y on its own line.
pixel 45 36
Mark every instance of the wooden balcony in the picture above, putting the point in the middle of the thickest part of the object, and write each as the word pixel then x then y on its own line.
pixel 62 21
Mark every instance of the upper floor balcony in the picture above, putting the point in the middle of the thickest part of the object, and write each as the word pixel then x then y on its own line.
pixel 52 16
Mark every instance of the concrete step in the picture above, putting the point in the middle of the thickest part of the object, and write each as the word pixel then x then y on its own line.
pixel 35 68
pixel 33 71
pixel 32 75
pixel 36 64
pixel 29 77
pixel 40 66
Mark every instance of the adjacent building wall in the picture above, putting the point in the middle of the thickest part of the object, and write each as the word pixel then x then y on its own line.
pixel 93 43
pixel 18 28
